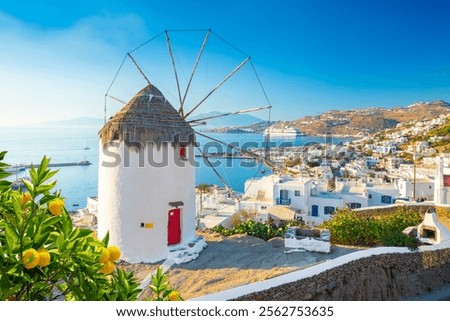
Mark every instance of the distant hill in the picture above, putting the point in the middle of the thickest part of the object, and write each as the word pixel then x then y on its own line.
pixel 367 120
pixel 240 120
pixel 227 121
pixel 75 122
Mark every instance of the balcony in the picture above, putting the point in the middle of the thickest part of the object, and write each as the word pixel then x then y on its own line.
pixel 282 201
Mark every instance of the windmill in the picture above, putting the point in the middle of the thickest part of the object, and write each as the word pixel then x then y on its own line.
pixel 146 180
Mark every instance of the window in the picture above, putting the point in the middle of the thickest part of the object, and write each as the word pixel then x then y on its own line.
pixel 370 196
pixel 263 207
pixel 328 210
pixel 297 193
pixel 284 194
pixel 355 205
pixel 386 199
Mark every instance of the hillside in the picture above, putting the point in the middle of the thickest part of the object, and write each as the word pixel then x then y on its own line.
pixel 368 120
pixel 232 121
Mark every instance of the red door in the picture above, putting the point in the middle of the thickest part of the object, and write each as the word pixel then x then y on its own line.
pixel 174 227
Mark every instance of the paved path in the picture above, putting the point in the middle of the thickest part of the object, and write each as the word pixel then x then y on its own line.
pixel 238 260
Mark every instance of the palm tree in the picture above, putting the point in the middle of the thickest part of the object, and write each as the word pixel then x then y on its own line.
pixel 202 188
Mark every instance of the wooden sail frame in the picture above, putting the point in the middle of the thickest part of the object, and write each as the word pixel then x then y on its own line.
pixel 182 95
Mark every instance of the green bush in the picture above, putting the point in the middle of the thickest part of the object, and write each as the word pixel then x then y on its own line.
pixel 396 238
pixel 351 228
pixel 264 231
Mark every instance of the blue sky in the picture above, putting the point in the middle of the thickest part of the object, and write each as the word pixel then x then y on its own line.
pixel 57 58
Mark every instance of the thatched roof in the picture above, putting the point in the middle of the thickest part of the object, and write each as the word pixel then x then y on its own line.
pixel 148 117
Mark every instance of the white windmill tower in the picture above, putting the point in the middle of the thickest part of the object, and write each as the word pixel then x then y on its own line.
pixel 146 186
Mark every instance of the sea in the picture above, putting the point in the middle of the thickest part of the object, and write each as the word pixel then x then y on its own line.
pixel 28 145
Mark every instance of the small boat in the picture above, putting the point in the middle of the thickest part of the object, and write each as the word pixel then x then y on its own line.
pixel 87 148
pixel 75 204
pixel 84 163
pixel 18 183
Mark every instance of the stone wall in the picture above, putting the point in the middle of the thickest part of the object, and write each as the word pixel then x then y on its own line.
pixel 378 277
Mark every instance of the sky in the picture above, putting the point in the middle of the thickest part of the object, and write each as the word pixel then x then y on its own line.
pixel 58 58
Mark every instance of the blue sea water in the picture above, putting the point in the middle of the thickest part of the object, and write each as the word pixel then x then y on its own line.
pixel 74 144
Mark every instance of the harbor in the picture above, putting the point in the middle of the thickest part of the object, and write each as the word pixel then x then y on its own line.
pixel 23 167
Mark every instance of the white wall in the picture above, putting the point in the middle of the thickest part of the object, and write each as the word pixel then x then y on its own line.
pixel 423 189
pixel 441 192
pixel 378 191
pixel 129 196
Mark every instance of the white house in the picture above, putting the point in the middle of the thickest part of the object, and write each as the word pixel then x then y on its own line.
pixel 424 188
pixel 371 161
pixel 442 182
pixel 146 182
pixel 310 200
pixel 381 193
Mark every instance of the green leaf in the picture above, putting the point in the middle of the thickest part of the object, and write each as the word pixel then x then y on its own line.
pixel 42 168
pixel 41 189
pixel 106 239
pixel 33 175
pixel 16 270
pixel 60 242
pixel 66 223
pixel 73 235
pixel 49 175
pixel 47 198
pixel 12 238
pixel 50 221
pixel 84 232
pixel 41 239
pixel 29 186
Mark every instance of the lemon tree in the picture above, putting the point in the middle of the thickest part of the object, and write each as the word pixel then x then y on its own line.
pixel 160 288
pixel 43 257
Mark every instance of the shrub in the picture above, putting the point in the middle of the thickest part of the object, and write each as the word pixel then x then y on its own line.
pixel 264 231
pixel 397 238
pixel 42 257
pixel 351 228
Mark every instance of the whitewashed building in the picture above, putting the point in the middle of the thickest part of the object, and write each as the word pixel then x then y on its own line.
pixel 146 183
pixel 424 188
pixel 309 199
pixel 442 182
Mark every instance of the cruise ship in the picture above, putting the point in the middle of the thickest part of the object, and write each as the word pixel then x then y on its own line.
pixel 284 131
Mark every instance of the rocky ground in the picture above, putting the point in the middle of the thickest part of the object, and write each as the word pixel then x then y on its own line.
pixel 229 262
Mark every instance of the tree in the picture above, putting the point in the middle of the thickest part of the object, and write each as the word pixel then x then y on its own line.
pixel 43 257
pixel 202 188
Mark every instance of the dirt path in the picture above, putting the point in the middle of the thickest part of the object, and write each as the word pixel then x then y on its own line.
pixel 229 262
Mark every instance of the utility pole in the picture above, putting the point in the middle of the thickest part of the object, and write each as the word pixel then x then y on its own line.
pixel 414 183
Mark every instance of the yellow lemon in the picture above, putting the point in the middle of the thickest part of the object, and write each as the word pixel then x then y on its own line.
pixel 55 207
pixel 24 198
pixel 105 255
pixel 114 253
pixel 44 257
pixel 30 258
pixel 108 268
pixel 174 296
